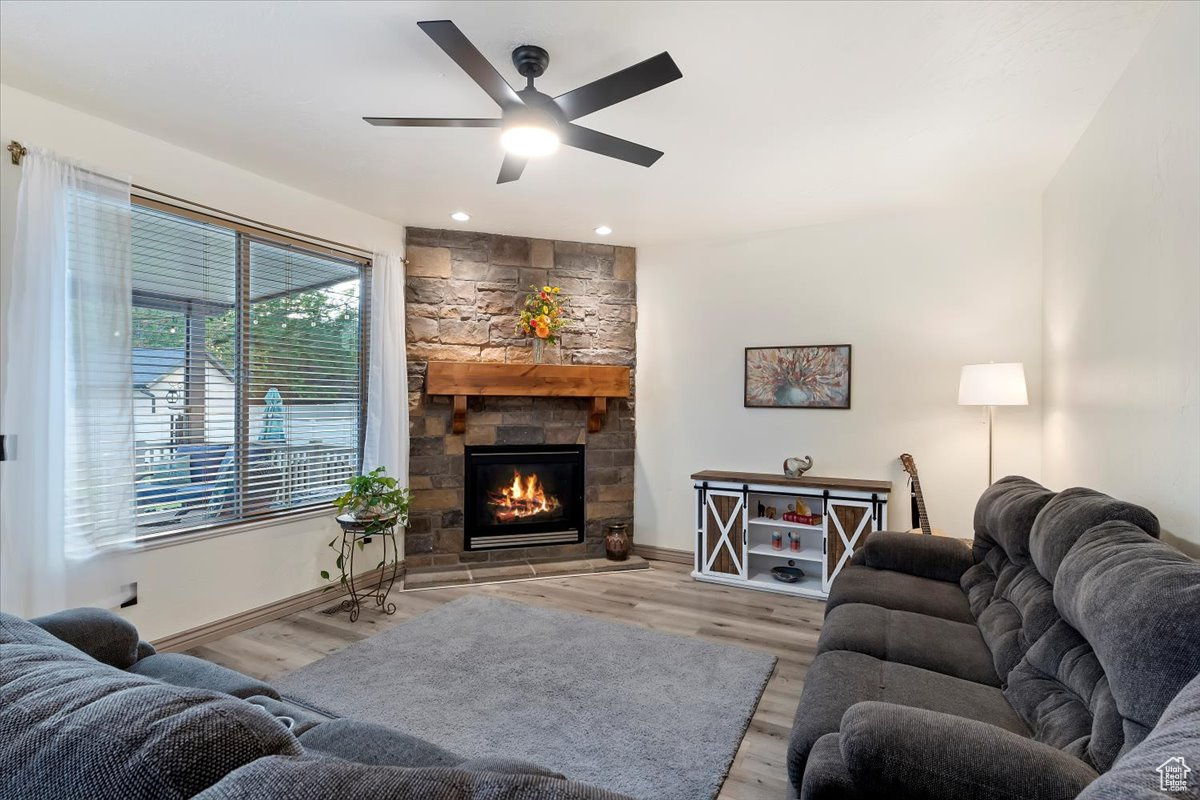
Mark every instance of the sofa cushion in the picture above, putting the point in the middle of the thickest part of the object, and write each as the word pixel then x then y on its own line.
pixel 1020 612
pixel 839 679
pixel 912 754
pixel 1012 604
pixel 1098 680
pixel 1020 496
pixel 939 558
pixel 979 582
pixel 941 645
pixel 825 775
pixel 184 670
pixel 1137 602
pixel 1072 513
pixel 1171 753
pixel 73 727
pixel 103 635
pixel 1061 692
pixel 297 718
pixel 507 766
pixel 1010 513
pixel 316 778
pixel 1012 597
pixel 899 591
pixel 368 743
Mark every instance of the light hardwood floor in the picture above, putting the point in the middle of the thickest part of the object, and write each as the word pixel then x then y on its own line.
pixel 663 598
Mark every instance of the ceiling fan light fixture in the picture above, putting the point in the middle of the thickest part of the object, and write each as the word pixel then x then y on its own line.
pixel 529 132
pixel 529 141
pixel 603 230
pixel 460 216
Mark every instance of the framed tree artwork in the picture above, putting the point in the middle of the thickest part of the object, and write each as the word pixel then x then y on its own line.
pixel 813 376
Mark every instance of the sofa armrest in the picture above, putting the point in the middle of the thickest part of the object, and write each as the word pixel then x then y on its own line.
pixel 181 669
pixel 107 637
pixel 914 754
pixel 937 557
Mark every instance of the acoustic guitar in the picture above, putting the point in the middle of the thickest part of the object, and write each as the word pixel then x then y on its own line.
pixel 922 516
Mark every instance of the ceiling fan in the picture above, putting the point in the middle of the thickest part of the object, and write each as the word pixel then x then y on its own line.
pixel 533 124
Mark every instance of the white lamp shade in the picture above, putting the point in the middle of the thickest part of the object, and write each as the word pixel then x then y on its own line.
pixel 993 385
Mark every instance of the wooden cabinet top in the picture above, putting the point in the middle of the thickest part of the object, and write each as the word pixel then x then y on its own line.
pixel 803 482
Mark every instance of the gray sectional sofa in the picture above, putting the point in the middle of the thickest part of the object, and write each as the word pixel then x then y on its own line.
pixel 89 711
pixel 1056 658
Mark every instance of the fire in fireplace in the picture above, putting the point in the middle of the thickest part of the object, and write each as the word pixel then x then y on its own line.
pixel 523 496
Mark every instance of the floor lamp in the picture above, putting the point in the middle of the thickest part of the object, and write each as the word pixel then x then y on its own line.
pixel 992 385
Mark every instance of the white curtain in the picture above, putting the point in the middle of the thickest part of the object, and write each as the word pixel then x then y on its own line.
pixel 66 488
pixel 386 442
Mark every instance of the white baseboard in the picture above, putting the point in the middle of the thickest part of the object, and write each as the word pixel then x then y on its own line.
pixel 654 553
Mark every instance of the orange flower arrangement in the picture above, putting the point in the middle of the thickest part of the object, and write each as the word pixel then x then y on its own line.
pixel 542 315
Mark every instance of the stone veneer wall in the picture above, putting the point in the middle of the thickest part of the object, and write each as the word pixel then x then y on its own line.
pixel 463 291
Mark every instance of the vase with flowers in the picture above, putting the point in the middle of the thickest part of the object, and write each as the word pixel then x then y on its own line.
pixel 541 318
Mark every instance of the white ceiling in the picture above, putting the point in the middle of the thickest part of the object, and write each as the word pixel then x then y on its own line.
pixel 787 114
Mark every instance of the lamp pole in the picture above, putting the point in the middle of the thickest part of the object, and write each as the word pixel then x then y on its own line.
pixel 991 385
pixel 990 411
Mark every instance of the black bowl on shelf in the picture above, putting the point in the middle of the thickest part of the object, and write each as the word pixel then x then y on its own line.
pixel 787 574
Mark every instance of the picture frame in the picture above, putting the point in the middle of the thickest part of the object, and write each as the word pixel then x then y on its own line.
pixel 797 376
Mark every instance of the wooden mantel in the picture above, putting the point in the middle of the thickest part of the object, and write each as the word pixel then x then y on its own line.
pixel 461 380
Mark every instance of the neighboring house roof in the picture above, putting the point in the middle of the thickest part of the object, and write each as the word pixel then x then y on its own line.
pixel 152 364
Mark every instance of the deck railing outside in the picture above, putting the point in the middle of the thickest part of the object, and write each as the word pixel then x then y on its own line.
pixel 184 485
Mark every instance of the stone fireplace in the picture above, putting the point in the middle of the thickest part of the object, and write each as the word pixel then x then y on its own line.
pixel 463 289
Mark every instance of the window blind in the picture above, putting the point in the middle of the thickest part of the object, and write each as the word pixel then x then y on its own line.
pixel 248 368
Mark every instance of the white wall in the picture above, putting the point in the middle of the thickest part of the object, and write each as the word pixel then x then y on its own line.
pixel 917 296
pixel 1122 289
pixel 186 585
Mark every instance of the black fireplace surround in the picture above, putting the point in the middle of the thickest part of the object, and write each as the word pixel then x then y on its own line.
pixel 523 496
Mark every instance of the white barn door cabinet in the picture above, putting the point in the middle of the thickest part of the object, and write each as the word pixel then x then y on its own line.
pixel 738 514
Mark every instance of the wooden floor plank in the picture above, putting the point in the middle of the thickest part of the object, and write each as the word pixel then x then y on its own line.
pixel 662 598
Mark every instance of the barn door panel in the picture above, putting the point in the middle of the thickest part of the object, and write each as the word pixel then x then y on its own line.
pixel 724 534
pixel 847 524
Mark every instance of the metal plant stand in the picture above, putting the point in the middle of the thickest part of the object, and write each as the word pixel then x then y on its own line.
pixel 354 531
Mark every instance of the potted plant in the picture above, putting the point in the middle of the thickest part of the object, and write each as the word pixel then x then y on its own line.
pixel 376 500
pixel 375 496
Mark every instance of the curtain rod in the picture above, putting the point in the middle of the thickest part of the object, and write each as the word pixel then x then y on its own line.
pixel 18 151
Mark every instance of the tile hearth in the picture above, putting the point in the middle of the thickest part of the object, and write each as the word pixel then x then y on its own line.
pixel 524 569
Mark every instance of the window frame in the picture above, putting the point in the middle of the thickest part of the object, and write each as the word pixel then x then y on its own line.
pixel 245 235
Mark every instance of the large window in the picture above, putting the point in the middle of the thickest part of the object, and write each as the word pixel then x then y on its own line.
pixel 248 369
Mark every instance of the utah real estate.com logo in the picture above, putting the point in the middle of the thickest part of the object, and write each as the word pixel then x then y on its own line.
pixel 1173 775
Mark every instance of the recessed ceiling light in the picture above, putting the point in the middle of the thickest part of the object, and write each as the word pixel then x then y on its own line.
pixel 603 230
pixel 460 216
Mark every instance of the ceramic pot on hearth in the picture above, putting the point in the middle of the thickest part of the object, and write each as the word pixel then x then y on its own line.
pixel 617 543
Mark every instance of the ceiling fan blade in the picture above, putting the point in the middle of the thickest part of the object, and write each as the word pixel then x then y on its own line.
pixel 448 37
pixel 431 122
pixel 596 142
pixel 629 82
pixel 512 168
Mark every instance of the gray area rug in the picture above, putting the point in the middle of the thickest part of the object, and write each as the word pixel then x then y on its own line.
pixel 652 715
